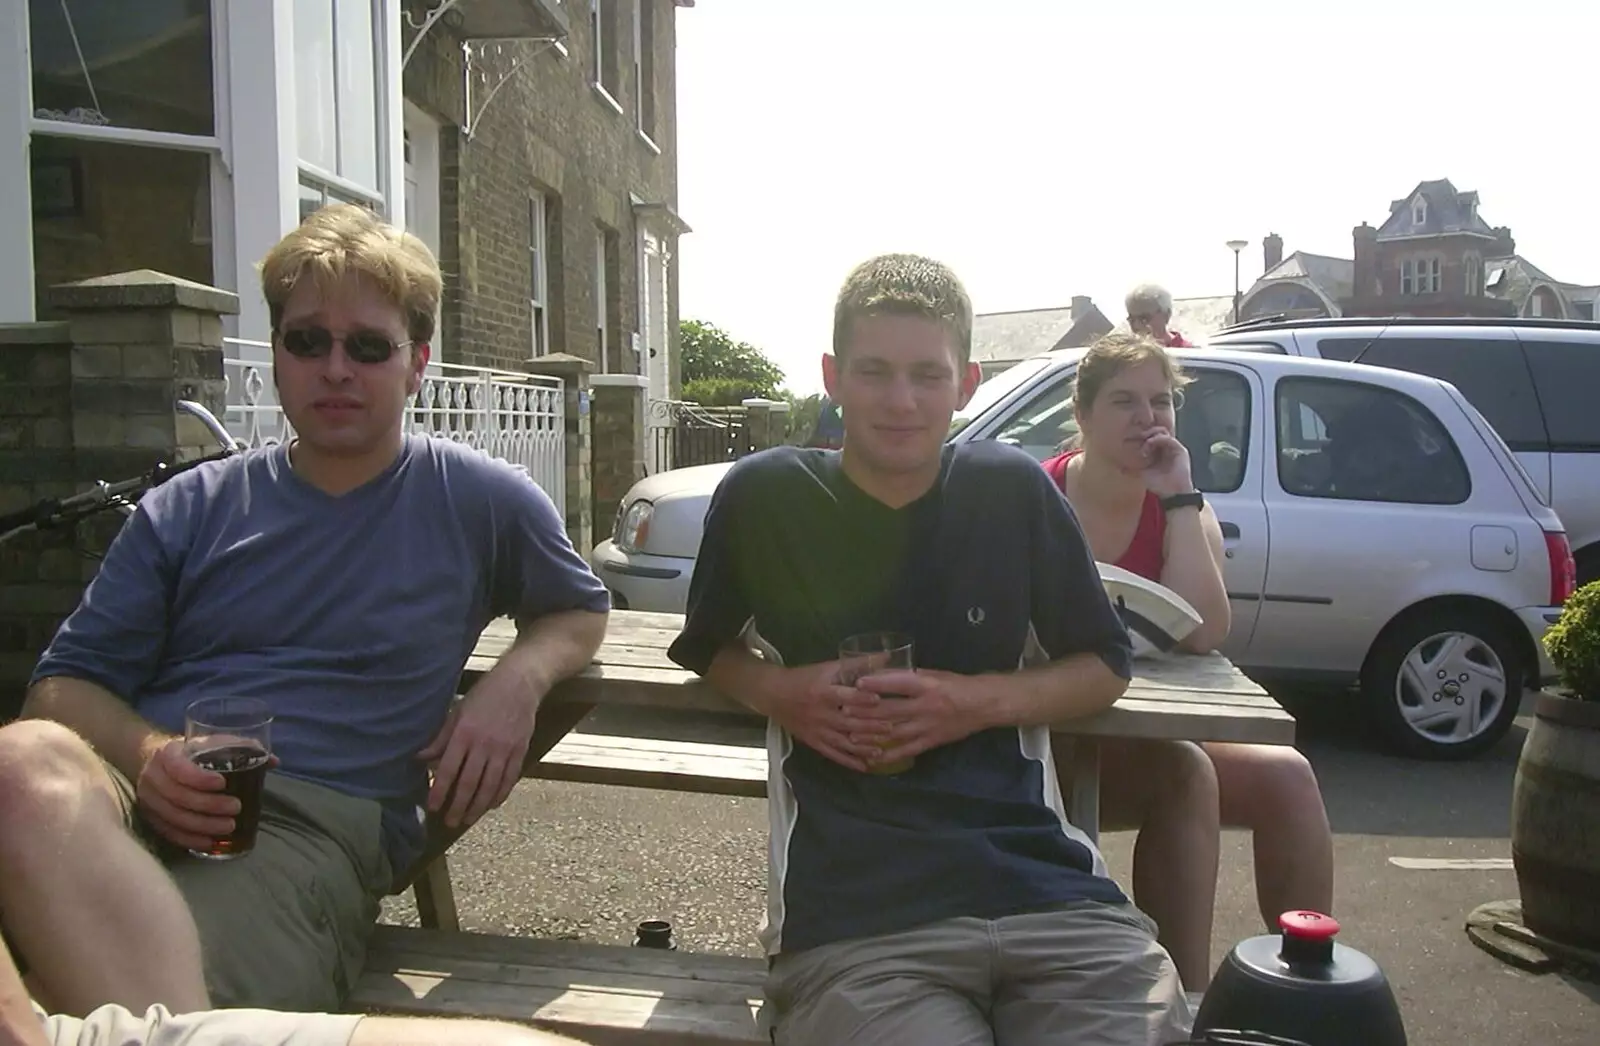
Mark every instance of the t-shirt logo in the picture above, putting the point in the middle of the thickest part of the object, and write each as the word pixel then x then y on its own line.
pixel 975 616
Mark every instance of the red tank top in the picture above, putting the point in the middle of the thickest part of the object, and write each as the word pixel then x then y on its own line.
pixel 1146 553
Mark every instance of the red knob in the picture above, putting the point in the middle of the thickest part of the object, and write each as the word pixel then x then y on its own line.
pixel 1308 926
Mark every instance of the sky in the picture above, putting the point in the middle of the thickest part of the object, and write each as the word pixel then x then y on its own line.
pixel 1047 148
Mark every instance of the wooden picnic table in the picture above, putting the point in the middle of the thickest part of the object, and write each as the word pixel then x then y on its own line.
pixel 1183 697
pixel 630 995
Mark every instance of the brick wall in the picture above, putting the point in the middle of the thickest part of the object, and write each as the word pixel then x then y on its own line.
pixel 92 398
pixel 549 131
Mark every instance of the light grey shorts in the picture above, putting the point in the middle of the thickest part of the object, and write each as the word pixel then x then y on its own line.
pixel 1088 973
pixel 115 1026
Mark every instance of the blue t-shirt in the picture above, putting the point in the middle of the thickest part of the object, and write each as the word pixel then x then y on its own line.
pixel 988 571
pixel 352 615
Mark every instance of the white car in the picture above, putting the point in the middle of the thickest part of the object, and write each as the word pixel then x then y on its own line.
pixel 649 558
pixel 1379 534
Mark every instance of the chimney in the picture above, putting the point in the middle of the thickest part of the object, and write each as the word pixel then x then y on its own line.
pixel 1365 276
pixel 1081 304
pixel 1504 245
pixel 1271 251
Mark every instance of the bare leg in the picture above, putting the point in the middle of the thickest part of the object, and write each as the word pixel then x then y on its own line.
pixel 1168 790
pixel 418 1031
pixel 1272 790
pixel 94 914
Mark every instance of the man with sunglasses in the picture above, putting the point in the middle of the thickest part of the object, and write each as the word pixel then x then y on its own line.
pixel 1149 311
pixel 342 577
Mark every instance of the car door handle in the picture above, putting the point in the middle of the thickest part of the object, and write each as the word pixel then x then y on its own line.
pixel 1230 530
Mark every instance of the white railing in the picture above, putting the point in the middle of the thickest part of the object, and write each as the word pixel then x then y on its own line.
pixel 519 418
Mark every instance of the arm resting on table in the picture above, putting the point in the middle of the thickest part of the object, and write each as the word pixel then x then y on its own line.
pixel 741 675
pixel 121 736
pixel 549 649
pixel 1072 687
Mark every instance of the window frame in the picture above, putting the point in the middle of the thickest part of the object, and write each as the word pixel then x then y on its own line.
pixel 1556 421
pixel 1282 399
pixel 1198 373
pixel 603 25
pixel 1376 353
pixel 602 252
pixel 538 274
pixel 644 71
pixel 1419 276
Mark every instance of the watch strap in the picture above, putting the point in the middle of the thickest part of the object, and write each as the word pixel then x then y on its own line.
pixel 1188 499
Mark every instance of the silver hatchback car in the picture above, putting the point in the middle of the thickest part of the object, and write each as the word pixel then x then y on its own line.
pixel 1380 537
pixel 1378 533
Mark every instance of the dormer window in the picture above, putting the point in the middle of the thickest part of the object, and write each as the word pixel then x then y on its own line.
pixel 1419 211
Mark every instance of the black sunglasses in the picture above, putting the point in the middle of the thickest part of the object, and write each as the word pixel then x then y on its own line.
pixel 310 343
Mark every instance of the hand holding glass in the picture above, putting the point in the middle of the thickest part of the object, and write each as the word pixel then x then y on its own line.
pixel 868 654
pixel 232 736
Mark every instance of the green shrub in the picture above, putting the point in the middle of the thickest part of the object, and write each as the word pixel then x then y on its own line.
pixel 1574 643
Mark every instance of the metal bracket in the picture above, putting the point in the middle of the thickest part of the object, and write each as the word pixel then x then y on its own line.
pixel 472 48
pixel 432 16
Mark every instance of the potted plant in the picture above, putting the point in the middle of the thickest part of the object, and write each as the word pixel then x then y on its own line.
pixel 1555 804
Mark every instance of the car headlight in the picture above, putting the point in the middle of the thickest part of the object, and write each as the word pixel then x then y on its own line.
pixel 633 530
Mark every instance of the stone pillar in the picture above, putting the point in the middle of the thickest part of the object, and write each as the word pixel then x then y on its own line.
pixel 93 398
pixel 619 442
pixel 574 374
pixel 767 422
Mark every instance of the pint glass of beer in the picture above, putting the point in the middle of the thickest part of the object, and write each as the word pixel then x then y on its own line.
pixel 232 736
pixel 868 654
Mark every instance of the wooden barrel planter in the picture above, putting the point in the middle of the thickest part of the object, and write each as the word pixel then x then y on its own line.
pixel 1555 821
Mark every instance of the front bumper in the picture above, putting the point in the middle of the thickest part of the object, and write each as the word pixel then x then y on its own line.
pixel 643 582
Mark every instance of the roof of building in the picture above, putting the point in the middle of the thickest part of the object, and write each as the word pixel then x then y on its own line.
pixel 1447 210
pixel 1004 336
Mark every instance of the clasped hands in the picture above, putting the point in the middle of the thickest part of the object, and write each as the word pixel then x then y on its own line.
pixel 881 719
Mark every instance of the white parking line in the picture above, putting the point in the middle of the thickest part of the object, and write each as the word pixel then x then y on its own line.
pixel 1453 864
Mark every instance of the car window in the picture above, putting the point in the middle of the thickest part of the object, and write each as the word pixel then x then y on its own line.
pixel 995 389
pixel 1045 423
pixel 1214 424
pixel 1493 375
pixel 1354 441
pixel 1567 376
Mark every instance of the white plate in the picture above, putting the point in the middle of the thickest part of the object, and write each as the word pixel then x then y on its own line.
pixel 1157 618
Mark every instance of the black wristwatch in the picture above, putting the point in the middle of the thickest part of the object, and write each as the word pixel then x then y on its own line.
pixel 1189 499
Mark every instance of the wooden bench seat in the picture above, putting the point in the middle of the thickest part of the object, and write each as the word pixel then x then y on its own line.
pixel 601 994
pixel 678 766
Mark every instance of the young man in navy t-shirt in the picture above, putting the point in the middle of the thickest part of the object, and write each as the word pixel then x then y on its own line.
pixel 952 902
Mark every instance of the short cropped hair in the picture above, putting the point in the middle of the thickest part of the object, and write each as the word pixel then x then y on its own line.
pixel 343 239
pixel 1147 299
pixel 905 285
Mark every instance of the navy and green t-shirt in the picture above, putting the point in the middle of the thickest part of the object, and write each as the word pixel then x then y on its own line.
pixel 988 572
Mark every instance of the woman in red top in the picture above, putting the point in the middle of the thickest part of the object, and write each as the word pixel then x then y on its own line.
pixel 1129 483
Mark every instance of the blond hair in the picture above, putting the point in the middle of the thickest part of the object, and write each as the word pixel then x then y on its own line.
pixel 905 285
pixel 1113 354
pixel 342 240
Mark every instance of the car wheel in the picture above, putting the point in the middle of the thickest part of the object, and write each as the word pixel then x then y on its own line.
pixel 1444 684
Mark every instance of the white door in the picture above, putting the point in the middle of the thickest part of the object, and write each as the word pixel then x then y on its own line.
pixel 657 342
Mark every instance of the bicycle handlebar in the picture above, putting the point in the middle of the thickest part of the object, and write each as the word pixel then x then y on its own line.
pixel 55 512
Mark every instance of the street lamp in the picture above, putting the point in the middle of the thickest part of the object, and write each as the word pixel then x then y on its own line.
pixel 1236 246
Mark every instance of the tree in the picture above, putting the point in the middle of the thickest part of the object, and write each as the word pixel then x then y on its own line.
pixel 720 372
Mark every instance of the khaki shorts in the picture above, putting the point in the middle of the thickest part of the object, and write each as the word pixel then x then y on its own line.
pixel 1088 973
pixel 115 1026
pixel 285 927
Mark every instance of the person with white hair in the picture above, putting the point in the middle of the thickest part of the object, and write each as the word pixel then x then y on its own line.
pixel 1149 311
